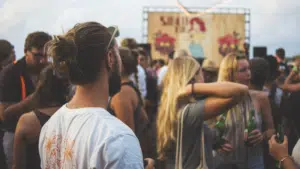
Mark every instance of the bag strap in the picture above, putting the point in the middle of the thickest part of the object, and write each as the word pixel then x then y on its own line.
pixel 178 160
pixel 202 165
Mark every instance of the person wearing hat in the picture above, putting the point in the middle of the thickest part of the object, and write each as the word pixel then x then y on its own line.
pixel 210 71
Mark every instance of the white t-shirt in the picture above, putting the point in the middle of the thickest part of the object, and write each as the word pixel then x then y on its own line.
pixel 88 138
pixel 296 153
pixel 142 80
pixel 161 74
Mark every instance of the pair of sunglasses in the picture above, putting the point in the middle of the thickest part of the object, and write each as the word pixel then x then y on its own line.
pixel 37 55
pixel 114 31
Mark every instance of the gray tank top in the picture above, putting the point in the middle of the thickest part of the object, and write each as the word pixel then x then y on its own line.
pixel 234 132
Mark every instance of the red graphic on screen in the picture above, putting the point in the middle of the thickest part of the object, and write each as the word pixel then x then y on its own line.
pixel 164 43
pixel 199 22
pixel 229 43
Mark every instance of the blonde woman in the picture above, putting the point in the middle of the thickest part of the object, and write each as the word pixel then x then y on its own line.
pixel 235 68
pixel 182 82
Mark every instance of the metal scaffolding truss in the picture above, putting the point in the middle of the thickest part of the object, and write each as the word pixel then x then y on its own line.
pixel 148 9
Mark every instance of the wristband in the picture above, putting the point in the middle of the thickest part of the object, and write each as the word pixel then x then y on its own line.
pixel 193 89
pixel 284 158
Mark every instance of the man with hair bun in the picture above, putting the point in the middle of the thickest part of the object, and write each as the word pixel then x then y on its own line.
pixel 82 134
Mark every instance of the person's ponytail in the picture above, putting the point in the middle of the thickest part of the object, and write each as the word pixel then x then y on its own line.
pixel 135 55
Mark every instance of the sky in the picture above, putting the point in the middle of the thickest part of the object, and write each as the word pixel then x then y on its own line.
pixel 274 23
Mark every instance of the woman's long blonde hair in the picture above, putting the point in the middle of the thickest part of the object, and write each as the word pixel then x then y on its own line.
pixel 228 68
pixel 227 73
pixel 179 74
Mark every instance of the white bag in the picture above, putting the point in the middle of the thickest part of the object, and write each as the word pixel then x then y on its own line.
pixel 178 164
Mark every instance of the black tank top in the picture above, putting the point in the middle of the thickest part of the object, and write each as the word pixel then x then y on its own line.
pixel 139 127
pixel 295 108
pixel 32 154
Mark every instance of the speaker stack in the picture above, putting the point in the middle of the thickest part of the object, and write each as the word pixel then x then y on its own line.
pixel 260 51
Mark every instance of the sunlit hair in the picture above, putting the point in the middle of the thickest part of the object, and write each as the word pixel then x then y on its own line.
pixel 229 67
pixel 227 73
pixel 180 53
pixel 180 72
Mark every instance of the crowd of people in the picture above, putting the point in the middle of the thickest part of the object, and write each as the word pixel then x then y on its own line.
pixel 79 100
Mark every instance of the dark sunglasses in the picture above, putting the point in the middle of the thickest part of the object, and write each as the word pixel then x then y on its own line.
pixel 37 54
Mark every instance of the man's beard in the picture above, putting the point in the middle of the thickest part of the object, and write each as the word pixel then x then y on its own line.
pixel 114 81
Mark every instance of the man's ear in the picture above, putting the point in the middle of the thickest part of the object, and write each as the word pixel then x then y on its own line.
pixel 110 59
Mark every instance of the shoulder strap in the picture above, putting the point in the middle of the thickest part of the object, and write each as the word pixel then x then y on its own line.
pixel 43 118
pixel 178 160
pixel 109 109
pixel 202 165
pixel 131 84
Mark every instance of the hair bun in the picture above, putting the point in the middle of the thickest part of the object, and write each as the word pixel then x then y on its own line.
pixel 62 54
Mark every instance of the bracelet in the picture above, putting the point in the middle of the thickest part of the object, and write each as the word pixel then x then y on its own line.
pixel 284 158
pixel 193 89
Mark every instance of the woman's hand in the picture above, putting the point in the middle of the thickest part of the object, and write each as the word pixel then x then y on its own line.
pixel 226 148
pixel 278 151
pixel 149 163
pixel 255 137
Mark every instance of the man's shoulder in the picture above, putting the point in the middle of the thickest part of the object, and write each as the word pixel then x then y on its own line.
pixel 98 119
pixel 9 78
pixel 126 149
pixel 108 140
pixel 12 70
pixel 141 70
pixel 9 70
pixel 163 69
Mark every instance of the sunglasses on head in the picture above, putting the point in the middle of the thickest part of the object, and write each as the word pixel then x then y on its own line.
pixel 114 31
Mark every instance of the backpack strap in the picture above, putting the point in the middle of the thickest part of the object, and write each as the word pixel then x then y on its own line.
pixel 43 118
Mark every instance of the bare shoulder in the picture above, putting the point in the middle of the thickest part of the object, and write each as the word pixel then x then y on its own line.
pixel 27 118
pixel 27 123
pixel 125 90
pixel 258 95
pixel 125 96
pixel 124 93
